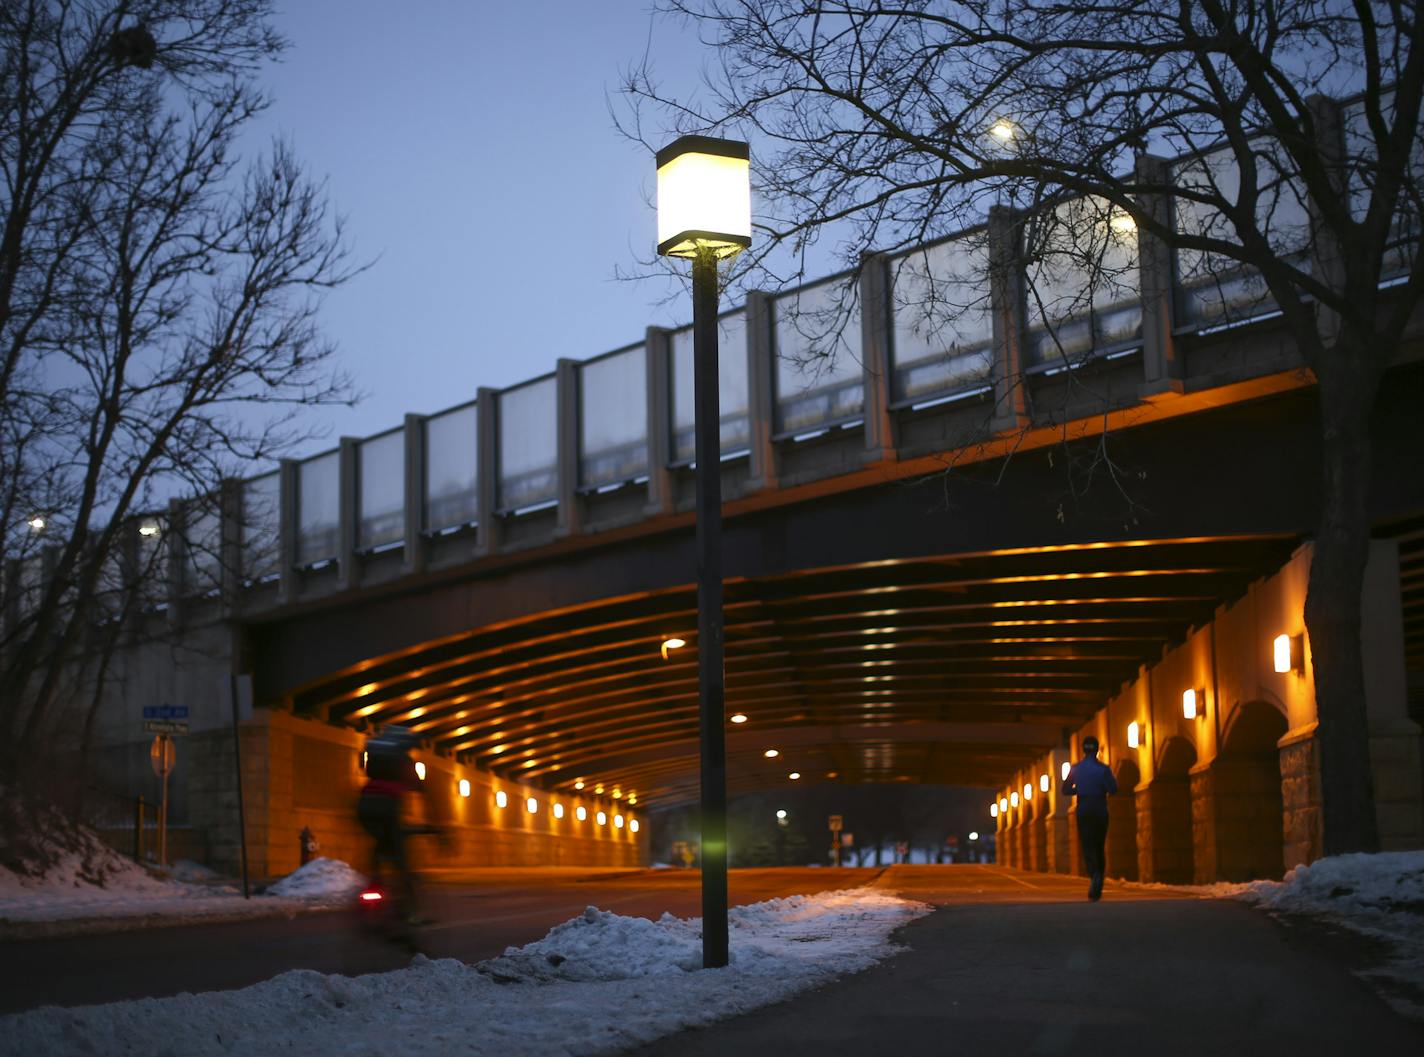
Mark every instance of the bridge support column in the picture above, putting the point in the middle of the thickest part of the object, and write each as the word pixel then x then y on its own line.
pixel 1038 845
pixel 1059 842
pixel 761 393
pixel 875 327
pixel 1164 830
pixel 487 473
pixel 657 348
pixel 1300 798
pixel 1006 300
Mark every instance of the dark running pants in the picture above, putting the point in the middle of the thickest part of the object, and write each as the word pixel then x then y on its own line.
pixel 1092 839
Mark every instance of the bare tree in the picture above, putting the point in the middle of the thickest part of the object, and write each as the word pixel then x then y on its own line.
pixel 890 124
pixel 157 305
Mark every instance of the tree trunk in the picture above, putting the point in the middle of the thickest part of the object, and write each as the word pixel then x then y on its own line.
pixel 1333 607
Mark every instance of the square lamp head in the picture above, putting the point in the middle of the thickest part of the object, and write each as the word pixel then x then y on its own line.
pixel 704 197
pixel 1134 735
pixel 1193 701
pixel 1288 654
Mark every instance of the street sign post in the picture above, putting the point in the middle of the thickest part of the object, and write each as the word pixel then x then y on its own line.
pixel 164 726
pixel 835 822
pixel 162 755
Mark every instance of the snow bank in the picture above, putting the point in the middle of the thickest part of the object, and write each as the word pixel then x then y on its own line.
pixel 1367 887
pixel 598 984
pixel 319 879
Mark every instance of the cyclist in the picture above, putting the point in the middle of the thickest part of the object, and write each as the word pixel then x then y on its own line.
pixel 390 779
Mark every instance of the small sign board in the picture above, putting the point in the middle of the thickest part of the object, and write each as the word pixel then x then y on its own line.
pixel 165 711
pixel 836 822
pixel 847 840
pixel 165 726
pixel 163 755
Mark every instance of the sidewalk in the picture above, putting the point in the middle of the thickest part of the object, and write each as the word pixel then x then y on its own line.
pixel 1142 977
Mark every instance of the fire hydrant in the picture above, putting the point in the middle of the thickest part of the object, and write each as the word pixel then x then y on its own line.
pixel 309 845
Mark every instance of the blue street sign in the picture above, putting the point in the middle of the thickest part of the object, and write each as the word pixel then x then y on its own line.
pixel 165 711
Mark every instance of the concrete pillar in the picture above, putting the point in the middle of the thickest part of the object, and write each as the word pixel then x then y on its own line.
pixel 288 499
pixel 1006 300
pixel 230 563
pixel 1237 819
pixel 1395 745
pixel 657 346
pixel 413 507
pixel 1162 369
pixel 487 475
pixel 875 323
pixel 348 513
pixel 175 534
pixel 1038 836
pixel 1164 830
pixel 570 512
pixel 761 392
pixel 1122 835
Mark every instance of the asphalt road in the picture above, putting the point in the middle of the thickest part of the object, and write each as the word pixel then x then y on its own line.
pixel 1009 963
pixel 477 913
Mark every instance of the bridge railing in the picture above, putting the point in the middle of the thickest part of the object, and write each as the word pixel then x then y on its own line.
pixel 858 363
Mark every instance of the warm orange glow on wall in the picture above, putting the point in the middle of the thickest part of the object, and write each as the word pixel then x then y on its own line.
pixel 1288 654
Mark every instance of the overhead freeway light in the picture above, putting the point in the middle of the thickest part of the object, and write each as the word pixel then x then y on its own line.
pixel 794 776
pixel 672 644
pixel 772 754
pixel 578 784
pixel 737 717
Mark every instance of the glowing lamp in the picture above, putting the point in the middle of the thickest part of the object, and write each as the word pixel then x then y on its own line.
pixel 993 810
pixel 617 794
pixel 1063 771
pixel 794 776
pixel 739 718
pixel 420 770
pixel 633 824
pixel 973 834
pixel 36 524
pixel 781 813
pixel 1043 782
pixel 1134 735
pixel 1288 653
pixel 618 821
pixel 704 197
pixel 148 529
pixel 532 805
pixel 1003 804
pixel 465 787
pixel 1028 791
pixel 672 644
pixel 581 813
pixel 772 754
pixel 558 810
pixel 1192 702
pixel 501 799
pixel 1014 799
pixel 578 784
pixel 602 818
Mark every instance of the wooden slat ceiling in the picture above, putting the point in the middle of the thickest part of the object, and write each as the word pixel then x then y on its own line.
pixel 955 670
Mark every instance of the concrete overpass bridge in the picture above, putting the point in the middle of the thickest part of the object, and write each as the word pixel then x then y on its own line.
pixel 952 548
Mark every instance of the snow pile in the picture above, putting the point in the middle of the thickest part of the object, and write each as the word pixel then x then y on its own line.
pixel 321 878
pixel 605 984
pixel 1375 888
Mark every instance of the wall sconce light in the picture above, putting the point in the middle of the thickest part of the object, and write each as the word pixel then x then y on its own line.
pixel 532 805
pixel 993 810
pixel 602 818
pixel 1014 799
pixel 1003 804
pixel 1028 790
pixel 633 824
pixel 1063 771
pixel 420 770
pixel 1288 653
pixel 558 810
pixel 1134 735
pixel 581 813
pixel 673 643
pixel 501 799
pixel 1043 782
pixel 1193 703
pixel 465 787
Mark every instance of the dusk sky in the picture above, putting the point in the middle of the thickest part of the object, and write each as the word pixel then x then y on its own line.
pixel 472 151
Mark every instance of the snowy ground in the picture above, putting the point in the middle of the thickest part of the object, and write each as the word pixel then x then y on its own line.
pixel 1378 896
pixel 74 894
pixel 597 984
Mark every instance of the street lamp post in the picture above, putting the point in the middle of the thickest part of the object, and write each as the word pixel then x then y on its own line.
pixel 704 214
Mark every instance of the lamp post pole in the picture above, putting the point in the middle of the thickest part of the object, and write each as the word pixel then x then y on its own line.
pixel 704 214
pixel 710 675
